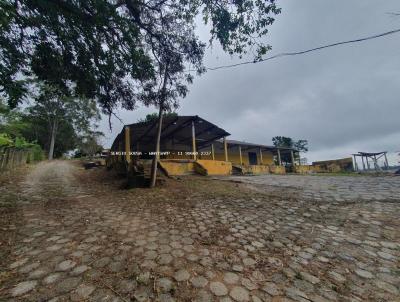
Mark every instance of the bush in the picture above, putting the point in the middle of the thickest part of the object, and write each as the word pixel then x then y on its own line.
pixel 37 152
pixel 5 140
pixel 21 143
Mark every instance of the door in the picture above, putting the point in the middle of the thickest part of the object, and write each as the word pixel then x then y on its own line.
pixel 252 158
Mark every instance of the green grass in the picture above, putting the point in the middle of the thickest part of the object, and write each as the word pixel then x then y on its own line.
pixel 340 174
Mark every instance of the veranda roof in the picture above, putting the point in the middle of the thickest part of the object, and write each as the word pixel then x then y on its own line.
pixel 178 128
pixel 259 146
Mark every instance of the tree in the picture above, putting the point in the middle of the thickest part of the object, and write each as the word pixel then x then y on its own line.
pixel 301 145
pixel 282 141
pixel 287 142
pixel 154 116
pixel 38 131
pixel 54 107
pixel 108 48
pixel 89 43
pixel 17 123
pixel 121 52
pixel 11 121
pixel 89 143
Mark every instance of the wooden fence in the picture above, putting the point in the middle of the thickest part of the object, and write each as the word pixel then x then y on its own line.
pixel 11 157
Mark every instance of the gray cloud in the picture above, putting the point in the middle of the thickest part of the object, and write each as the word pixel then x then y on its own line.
pixel 343 99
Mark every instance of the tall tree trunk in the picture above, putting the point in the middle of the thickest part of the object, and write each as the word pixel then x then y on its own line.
pixel 52 139
pixel 154 164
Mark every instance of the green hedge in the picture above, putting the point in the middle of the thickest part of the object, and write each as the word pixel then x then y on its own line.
pixel 5 140
pixel 36 153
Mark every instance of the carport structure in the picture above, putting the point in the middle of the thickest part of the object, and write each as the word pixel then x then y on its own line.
pixel 181 138
pixel 256 154
pixel 193 144
pixel 371 156
pixel 179 134
pixel 253 158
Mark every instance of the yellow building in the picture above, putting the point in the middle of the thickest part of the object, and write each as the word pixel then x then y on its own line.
pixel 334 165
pixel 190 144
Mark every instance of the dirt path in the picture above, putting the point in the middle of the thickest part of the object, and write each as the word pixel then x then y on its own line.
pixel 80 237
pixel 30 200
pixel 51 180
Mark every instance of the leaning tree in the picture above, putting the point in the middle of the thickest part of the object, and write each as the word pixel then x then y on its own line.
pixel 54 107
pixel 123 52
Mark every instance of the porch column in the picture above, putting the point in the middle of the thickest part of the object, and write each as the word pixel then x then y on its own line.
pixel 279 157
pixel 212 152
pixel 355 163
pixel 240 155
pixel 127 144
pixel 362 159
pixel 226 149
pixel 292 157
pixel 261 158
pixel 366 158
pixel 120 150
pixel 386 161
pixel 194 141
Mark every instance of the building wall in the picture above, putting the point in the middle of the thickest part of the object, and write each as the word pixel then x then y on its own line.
pixel 303 169
pixel 335 165
pixel 256 169
pixel 277 169
pixel 174 168
pixel 213 167
pixel 234 157
pixel 202 167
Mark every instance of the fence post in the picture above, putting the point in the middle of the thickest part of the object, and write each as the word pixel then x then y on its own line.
pixel 6 157
pixel 11 159
pixel 2 156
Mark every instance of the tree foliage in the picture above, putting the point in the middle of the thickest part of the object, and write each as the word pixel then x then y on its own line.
pixel 33 125
pixel 117 51
pixel 54 107
pixel 38 131
pixel 287 142
pixel 301 145
pixel 89 143
pixel 154 116
pixel 5 140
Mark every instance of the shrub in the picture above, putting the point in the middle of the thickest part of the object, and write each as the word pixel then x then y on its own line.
pixel 37 153
pixel 5 140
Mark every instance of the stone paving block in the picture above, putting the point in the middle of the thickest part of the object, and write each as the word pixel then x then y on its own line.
pixel 295 238
pixel 23 288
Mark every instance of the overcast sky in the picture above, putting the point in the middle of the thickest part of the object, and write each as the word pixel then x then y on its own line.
pixel 342 100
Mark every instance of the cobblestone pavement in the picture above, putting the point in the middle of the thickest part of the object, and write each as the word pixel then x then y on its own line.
pixel 197 242
pixel 337 188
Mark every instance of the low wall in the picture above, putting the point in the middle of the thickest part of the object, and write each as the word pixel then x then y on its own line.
pixel 277 169
pixel 174 168
pixel 183 167
pixel 304 169
pixel 332 168
pixel 213 167
pixel 11 158
pixel 255 169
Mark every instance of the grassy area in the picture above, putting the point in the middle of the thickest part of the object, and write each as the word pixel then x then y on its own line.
pixel 338 174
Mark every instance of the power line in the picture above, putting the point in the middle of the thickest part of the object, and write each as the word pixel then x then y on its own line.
pixel 286 54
